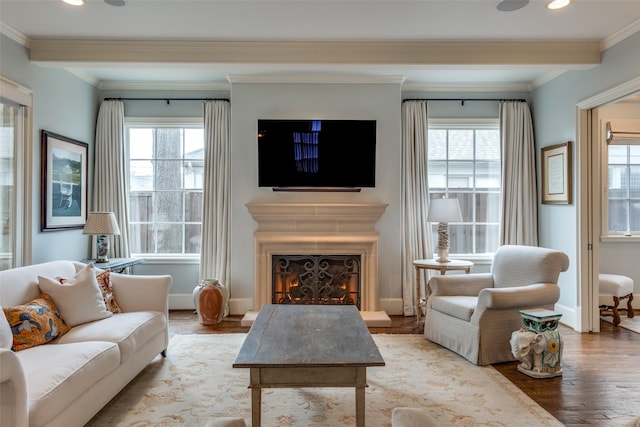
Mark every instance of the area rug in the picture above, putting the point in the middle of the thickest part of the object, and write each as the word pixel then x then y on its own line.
pixel 197 381
pixel 632 324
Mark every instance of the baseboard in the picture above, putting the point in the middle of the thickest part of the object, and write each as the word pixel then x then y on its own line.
pixel 237 306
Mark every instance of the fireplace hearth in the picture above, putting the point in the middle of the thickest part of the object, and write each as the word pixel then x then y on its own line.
pixel 316 279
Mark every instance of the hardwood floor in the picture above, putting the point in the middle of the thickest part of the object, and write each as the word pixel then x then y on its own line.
pixel 600 384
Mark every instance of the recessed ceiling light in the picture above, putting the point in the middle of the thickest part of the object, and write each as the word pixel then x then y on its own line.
pixel 558 4
pixel 511 5
pixel 74 2
pixel 116 2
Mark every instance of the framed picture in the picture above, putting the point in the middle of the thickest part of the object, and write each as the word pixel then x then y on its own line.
pixel 556 174
pixel 63 182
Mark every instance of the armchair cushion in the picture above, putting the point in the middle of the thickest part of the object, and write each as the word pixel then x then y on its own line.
pixel 461 307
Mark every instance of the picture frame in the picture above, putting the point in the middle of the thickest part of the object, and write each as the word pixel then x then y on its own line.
pixel 556 174
pixel 63 182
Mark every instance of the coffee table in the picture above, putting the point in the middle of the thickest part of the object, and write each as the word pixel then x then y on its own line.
pixel 296 346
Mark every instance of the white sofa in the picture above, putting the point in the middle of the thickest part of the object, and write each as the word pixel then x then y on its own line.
pixel 67 381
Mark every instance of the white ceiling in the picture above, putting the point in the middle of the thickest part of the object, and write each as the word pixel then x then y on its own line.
pixel 605 21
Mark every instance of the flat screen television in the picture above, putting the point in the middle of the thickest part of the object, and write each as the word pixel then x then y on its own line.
pixel 316 153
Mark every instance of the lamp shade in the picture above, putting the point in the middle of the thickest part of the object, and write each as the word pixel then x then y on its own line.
pixel 101 223
pixel 444 210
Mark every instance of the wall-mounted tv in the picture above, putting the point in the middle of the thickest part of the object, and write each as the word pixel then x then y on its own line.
pixel 316 153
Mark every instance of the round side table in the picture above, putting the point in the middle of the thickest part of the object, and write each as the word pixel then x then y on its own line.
pixel 442 267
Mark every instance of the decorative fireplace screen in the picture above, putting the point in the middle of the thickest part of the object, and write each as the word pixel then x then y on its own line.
pixel 316 279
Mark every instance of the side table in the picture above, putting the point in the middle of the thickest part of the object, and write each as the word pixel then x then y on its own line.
pixel 538 344
pixel 117 265
pixel 442 267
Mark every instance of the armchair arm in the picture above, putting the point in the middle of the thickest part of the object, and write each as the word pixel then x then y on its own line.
pixel 539 294
pixel 13 391
pixel 142 293
pixel 460 284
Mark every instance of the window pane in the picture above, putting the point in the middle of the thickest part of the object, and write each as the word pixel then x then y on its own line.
pixel 141 143
pixel 141 206
pixel 168 143
pixel 488 207
pixel 193 206
pixel 460 238
pixel 168 175
pixel 487 238
pixel 192 239
pixel 142 238
pixel 194 143
pixel 437 175
pixel 488 175
pixel 437 144
pixel 141 175
pixel 465 200
pixel 618 154
pixel 460 175
pixel 634 181
pixel 634 216
pixel 169 206
pixel 461 144
pixel 193 174
pixel 169 238
pixel 618 213
pixel 488 144
pixel 634 152
pixel 617 181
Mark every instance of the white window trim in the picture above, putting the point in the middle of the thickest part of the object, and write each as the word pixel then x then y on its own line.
pixel 466 123
pixel 183 122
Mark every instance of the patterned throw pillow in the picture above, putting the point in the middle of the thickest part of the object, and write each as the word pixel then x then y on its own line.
pixel 104 281
pixel 34 323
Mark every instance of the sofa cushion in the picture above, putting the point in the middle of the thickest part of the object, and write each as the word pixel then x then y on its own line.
pixel 129 330
pixel 457 306
pixel 79 299
pixel 34 323
pixel 106 288
pixel 57 374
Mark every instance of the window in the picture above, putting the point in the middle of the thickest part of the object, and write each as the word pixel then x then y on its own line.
pixel 623 189
pixel 166 172
pixel 464 163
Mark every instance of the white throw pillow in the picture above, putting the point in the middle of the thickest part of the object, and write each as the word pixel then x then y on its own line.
pixel 6 337
pixel 78 299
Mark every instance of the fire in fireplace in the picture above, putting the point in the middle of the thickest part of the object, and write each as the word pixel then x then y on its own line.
pixel 316 279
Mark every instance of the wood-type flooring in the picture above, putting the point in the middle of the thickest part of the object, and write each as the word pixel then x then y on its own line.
pixel 600 384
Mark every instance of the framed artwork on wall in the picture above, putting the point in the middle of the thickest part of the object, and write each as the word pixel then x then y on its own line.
pixel 556 174
pixel 63 182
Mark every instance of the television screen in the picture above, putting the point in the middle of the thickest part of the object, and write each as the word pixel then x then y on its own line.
pixel 316 153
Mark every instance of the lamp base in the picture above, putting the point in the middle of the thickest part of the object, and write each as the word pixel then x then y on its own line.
pixel 102 249
pixel 443 255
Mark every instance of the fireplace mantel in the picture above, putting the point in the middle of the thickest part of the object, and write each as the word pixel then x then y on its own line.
pixel 318 229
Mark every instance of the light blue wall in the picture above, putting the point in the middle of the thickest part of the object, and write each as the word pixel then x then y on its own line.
pixel 554 116
pixel 63 104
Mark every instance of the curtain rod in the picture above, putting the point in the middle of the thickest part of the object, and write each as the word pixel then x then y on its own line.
pixel 167 100
pixel 462 101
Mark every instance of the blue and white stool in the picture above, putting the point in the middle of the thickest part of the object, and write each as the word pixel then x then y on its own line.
pixel 620 287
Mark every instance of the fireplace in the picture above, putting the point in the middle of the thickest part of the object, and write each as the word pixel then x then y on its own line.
pixel 327 229
pixel 316 279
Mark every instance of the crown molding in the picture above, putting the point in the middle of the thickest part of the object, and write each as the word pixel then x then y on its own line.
pixel 544 79
pixel 315 78
pixel 15 35
pixel 620 35
pixel 83 75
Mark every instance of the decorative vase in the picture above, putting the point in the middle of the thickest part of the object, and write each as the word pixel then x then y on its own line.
pixel 211 300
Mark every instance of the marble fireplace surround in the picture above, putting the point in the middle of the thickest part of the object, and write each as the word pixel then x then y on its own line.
pixel 318 229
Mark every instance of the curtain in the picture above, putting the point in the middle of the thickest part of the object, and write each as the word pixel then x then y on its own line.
pixel 216 205
pixel 416 234
pixel 519 222
pixel 110 181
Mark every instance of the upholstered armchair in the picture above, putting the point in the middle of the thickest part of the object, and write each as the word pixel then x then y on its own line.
pixel 475 314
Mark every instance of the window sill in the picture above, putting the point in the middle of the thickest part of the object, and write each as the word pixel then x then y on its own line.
pixel 635 238
pixel 168 259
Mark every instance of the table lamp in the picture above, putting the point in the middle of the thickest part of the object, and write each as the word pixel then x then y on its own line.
pixel 443 211
pixel 101 224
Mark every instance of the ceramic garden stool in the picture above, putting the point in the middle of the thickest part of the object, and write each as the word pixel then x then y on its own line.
pixel 538 344
pixel 226 422
pixel 411 417
pixel 620 287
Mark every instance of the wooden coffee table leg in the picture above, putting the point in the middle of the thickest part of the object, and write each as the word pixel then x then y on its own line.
pixel 256 397
pixel 361 384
